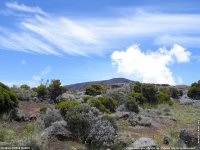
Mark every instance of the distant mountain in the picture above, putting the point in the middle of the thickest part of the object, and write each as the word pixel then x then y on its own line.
pixel 114 81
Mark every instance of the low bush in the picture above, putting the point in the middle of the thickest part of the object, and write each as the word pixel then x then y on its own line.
pixel 50 116
pixel 102 135
pixel 8 99
pixel 95 89
pixel 65 105
pixel 86 98
pixel 80 119
pixel 140 99
pixel 24 92
pixel 104 104
pixel 131 104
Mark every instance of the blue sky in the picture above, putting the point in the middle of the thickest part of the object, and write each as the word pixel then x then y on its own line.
pixel 84 40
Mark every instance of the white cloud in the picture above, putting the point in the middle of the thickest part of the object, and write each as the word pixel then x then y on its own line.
pixel 152 67
pixel 23 62
pixel 57 35
pixel 38 78
pixel 22 7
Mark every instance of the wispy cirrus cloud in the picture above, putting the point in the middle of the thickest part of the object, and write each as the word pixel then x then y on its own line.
pixel 57 35
pixel 22 7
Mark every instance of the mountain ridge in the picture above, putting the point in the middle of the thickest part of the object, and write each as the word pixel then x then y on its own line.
pixel 81 86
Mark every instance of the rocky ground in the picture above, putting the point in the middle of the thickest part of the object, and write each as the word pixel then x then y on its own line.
pixel 161 126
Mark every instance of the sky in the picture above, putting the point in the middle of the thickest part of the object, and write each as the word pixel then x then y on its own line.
pixel 151 41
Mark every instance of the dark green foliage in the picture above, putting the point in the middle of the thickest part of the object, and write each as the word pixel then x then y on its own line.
pixel 24 86
pixel 180 92
pixel 98 104
pixel 140 99
pixel 42 91
pixel 95 89
pixel 79 120
pixel 86 98
pixel 65 105
pixel 163 96
pixel 194 91
pixel 149 92
pixel 131 104
pixel 137 87
pixel 104 104
pixel 8 99
pixel 55 89
pixel 174 93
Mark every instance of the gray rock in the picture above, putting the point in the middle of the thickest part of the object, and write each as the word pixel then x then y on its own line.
pixel 17 115
pixel 139 120
pixel 188 138
pixel 144 143
pixel 65 97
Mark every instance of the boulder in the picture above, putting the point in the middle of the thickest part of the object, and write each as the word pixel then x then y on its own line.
pixel 139 120
pixel 188 138
pixel 17 115
pixel 65 97
pixel 144 143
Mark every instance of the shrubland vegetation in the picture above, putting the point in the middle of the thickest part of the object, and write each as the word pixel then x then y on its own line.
pixel 8 99
pixel 194 91
pixel 93 116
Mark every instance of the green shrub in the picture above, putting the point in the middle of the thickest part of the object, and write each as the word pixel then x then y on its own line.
pixel 150 93
pixel 55 89
pixel 42 91
pixel 140 99
pixel 104 104
pixel 65 105
pixel 131 104
pixel 163 96
pixel 8 99
pixel 98 104
pixel 174 93
pixel 86 98
pixel 194 91
pixel 80 119
pixel 95 89
pixel 2 135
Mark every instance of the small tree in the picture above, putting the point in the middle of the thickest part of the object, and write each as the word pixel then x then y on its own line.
pixel 95 89
pixel 174 93
pixel 140 99
pixel 150 93
pixel 42 91
pixel 55 89
pixel 163 96
pixel 131 104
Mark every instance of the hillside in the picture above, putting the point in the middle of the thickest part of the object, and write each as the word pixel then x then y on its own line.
pixel 81 86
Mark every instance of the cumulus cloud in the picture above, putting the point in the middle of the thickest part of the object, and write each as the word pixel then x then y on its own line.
pixel 151 67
